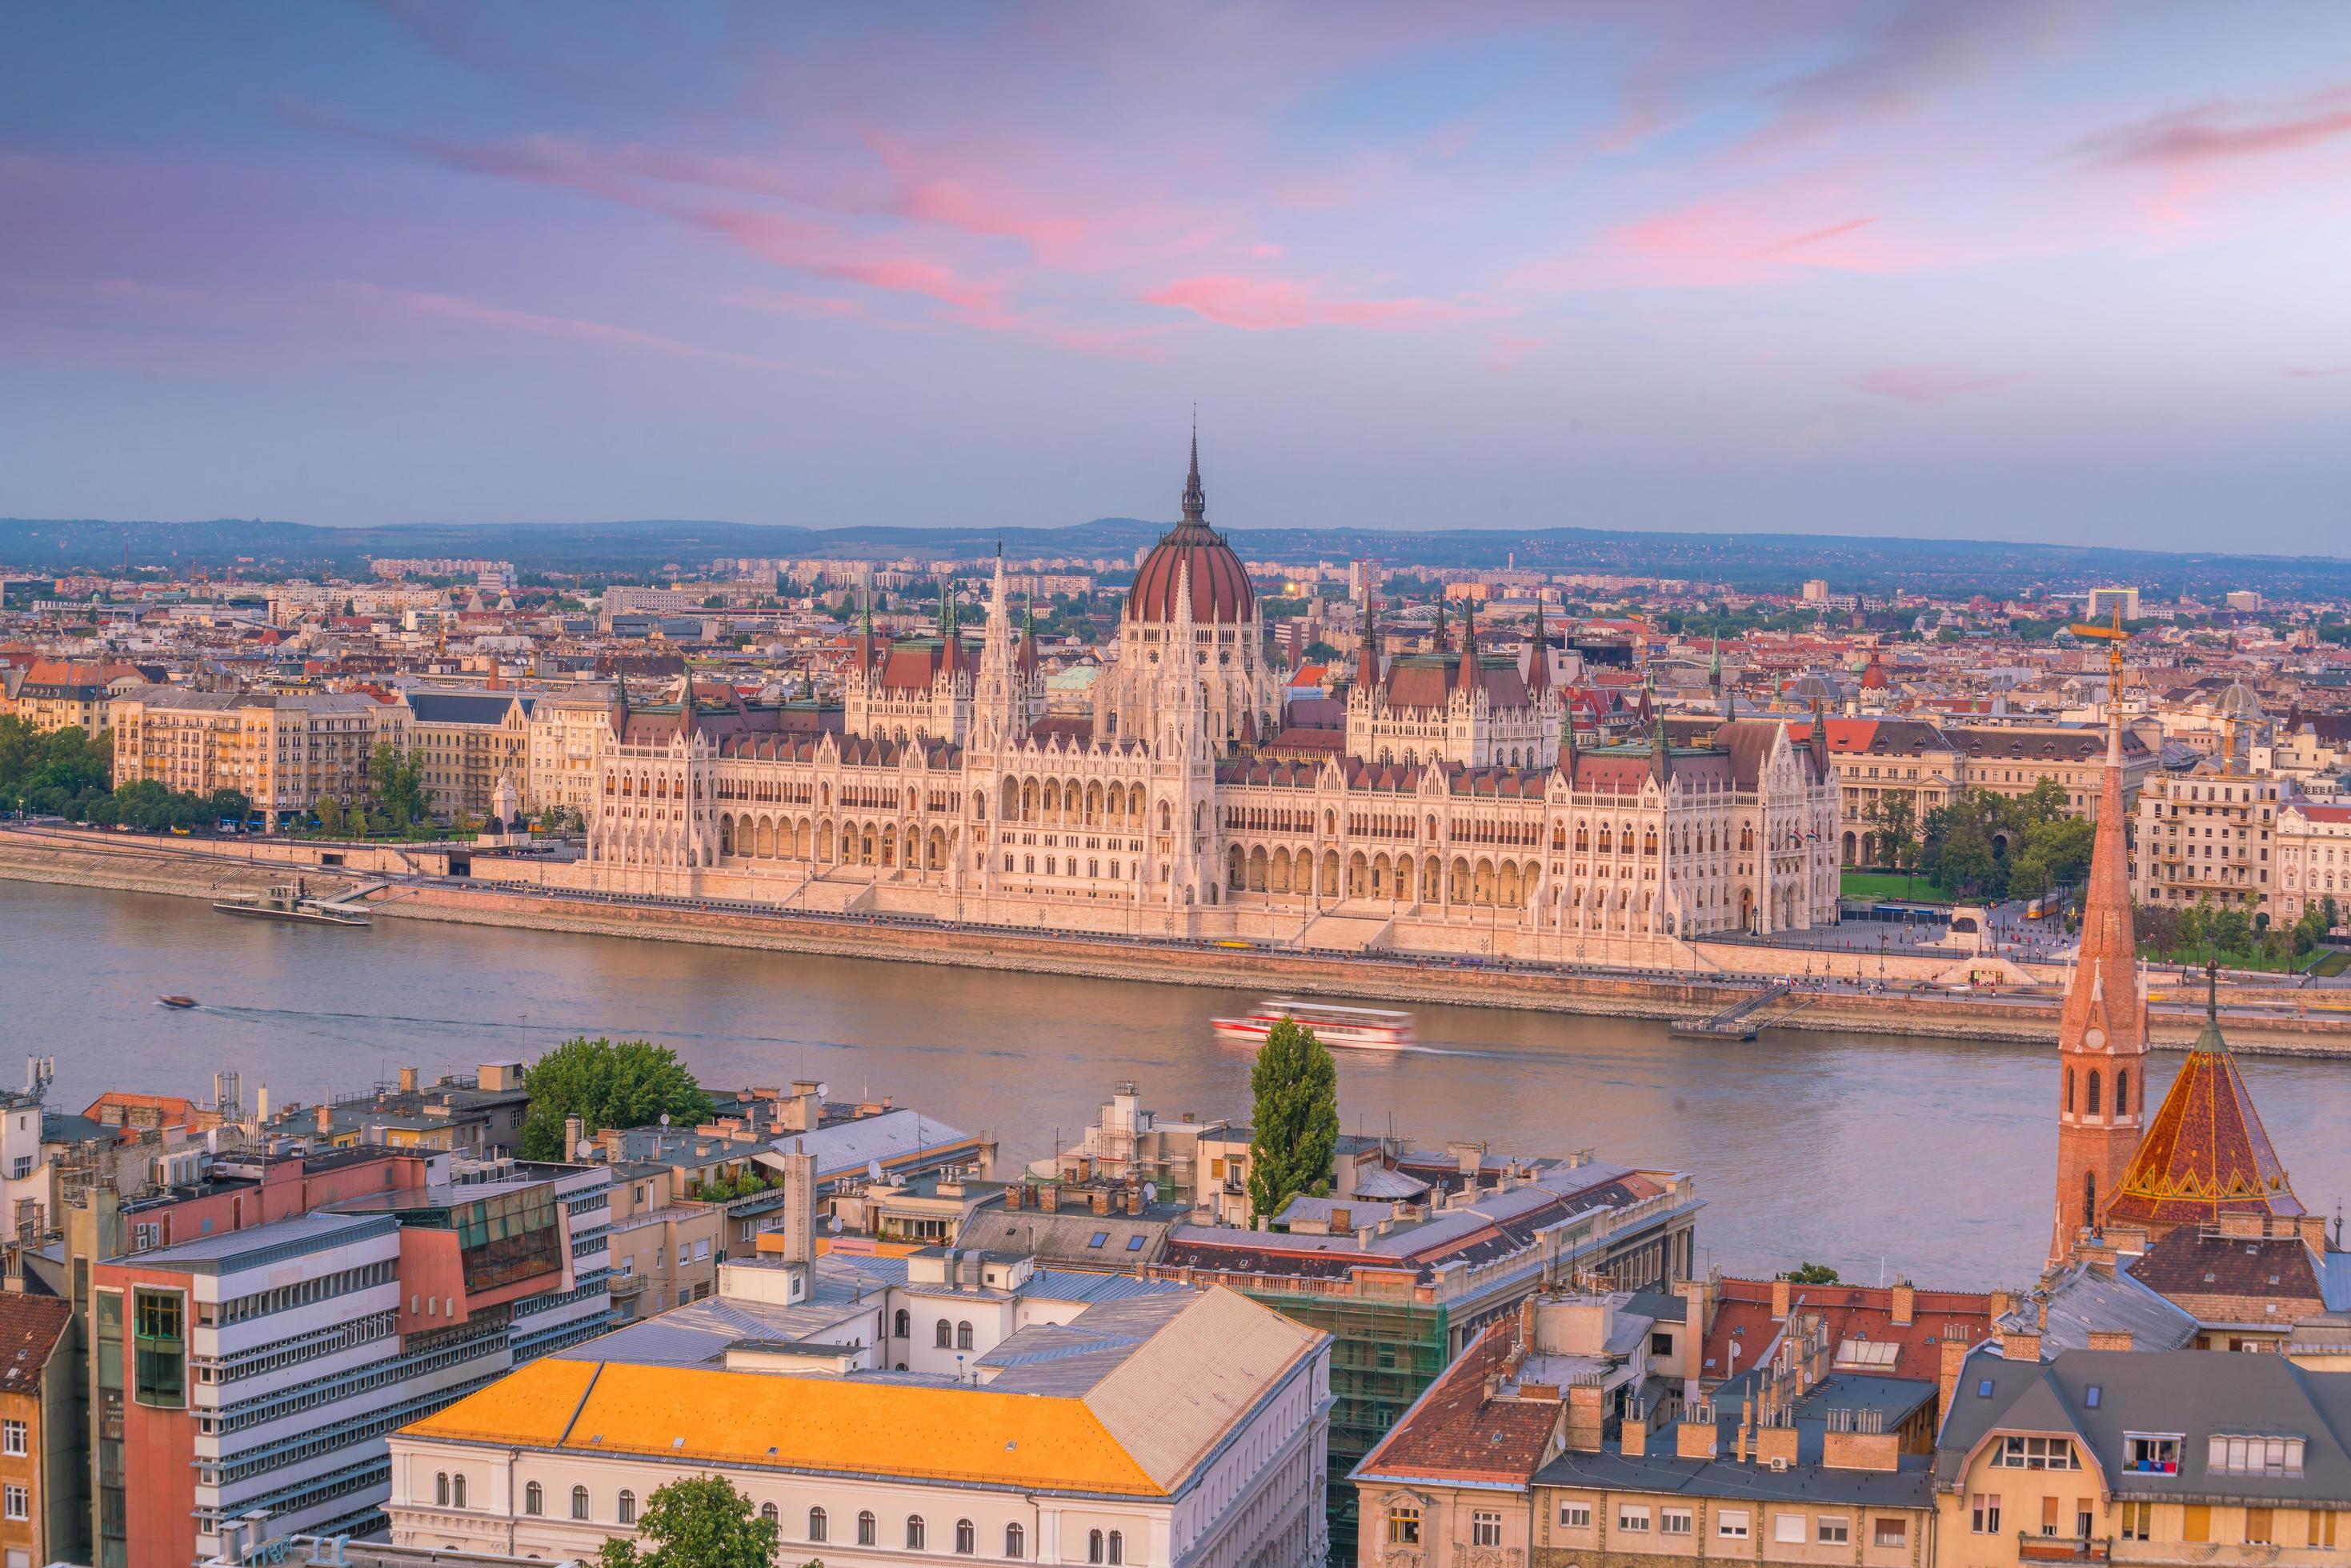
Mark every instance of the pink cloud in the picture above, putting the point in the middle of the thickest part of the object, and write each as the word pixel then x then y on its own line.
pixel 1928 383
pixel 2218 131
pixel 415 303
pixel 1505 353
pixel 1281 305
pixel 2313 373
pixel 1757 237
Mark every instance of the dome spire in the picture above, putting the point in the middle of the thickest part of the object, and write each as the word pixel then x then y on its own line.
pixel 1196 498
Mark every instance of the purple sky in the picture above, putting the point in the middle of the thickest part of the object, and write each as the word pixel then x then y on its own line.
pixel 1978 268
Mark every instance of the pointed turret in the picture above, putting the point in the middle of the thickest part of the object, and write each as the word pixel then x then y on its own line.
pixel 865 638
pixel 1661 754
pixel 1367 672
pixel 2101 1032
pixel 1195 497
pixel 1539 661
pixel 2205 1153
pixel 1818 741
pixel 1029 639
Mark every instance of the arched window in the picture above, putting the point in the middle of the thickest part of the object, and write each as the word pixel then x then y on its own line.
pixel 914 1532
pixel 2122 1093
pixel 578 1502
pixel 946 1336
pixel 767 1512
pixel 1093 1546
pixel 628 1508
pixel 864 1530
pixel 534 1498
pixel 2093 1094
pixel 2090 1197
pixel 457 1491
pixel 1118 1546
pixel 967 1538
pixel 1016 1542
pixel 962 1335
pixel 2069 1090
pixel 816 1524
pixel 441 1489
pixel 905 1324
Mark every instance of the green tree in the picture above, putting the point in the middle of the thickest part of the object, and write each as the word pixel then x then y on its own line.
pixel 605 1084
pixel 330 816
pixel 1893 817
pixel 397 780
pixel 228 805
pixel 701 1521
pixel 1294 1132
pixel 1812 1275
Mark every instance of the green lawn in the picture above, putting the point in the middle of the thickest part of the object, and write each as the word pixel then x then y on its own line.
pixel 2194 959
pixel 1867 887
pixel 2331 964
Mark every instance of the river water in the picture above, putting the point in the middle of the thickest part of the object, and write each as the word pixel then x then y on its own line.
pixel 1926 1157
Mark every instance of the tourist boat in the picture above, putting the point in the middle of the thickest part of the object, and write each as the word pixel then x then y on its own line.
pixel 1341 1028
pixel 289 901
pixel 177 1001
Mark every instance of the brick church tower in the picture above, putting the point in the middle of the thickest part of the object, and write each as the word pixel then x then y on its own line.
pixel 2102 1034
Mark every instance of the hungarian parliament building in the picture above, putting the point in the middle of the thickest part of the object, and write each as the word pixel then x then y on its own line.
pixel 1461 816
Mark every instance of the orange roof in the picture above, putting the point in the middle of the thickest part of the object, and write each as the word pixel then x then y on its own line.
pixel 2206 1152
pixel 700 1415
pixel 1742 1318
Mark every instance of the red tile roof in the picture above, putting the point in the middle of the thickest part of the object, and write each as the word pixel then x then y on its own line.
pixel 1742 1318
pixel 1455 1432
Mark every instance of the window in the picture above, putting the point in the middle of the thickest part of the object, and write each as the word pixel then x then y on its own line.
pixel 441 1489
pixel 2093 1395
pixel 816 1524
pixel 159 1328
pixel 2138 1520
pixel 2196 1522
pixel 2048 1516
pixel 2152 1454
pixel 2037 1454
pixel 2261 1527
pixel 18 1501
pixel 914 1532
pixel 1630 1521
pixel 1134 1243
pixel 1404 1525
pixel 1787 1528
pixel 12 1437
pixel 578 1502
pixel 2255 1456
pixel 1575 1516
pixel 905 1324
pixel 1731 1523
pixel 1984 1514
pixel 1890 1532
pixel 1983 1389
pixel 628 1508
pixel 1834 1532
pixel 1486 1528
pixel 457 1492
pixel 943 1335
pixel 534 1498
pixel 2322 1528
pixel 1093 1546
pixel 962 1335
pixel 1117 1546
pixel 866 1529
pixel 1673 1521
pixel 1016 1542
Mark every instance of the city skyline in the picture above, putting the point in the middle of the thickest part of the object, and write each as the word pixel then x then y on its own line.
pixel 1988 272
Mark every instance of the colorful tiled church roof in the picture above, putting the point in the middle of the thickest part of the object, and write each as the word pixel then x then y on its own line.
pixel 2206 1152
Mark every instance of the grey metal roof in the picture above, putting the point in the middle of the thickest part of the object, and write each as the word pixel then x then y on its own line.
pixel 846 1147
pixel 2195 1394
pixel 2334 1281
pixel 259 1245
pixel 464 706
pixel 2085 1299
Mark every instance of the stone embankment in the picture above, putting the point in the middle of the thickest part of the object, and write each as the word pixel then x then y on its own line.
pixel 148 867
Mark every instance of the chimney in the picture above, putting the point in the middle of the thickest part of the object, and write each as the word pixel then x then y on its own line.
pixel 1954 1359
pixel 1906 1303
pixel 1694 1441
pixel 1342 1220
pixel 1775 1443
pixel 575 1133
pixel 261 1104
pixel 408 1080
pixel 1584 1418
pixel 1780 1293
pixel 2019 1346
pixel 1860 1451
pixel 1012 1198
pixel 2110 1339
pixel 799 1207
pixel 2001 1301
pixel 326 1118
pixel 1101 1201
pixel 1135 1200
pixel 1049 1198
pixel 1633 1442
pixel 1526 1323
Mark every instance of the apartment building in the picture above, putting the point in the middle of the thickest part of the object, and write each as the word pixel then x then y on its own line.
pixel 559 745
pixel 285 751
pixel 2012 762
pixel 2209 834
pixel 2141 1457
pixel 665 1249
pixel 1040 1416
pixel 40 1430
pixel 2314 860
pixel 242 1364
pixel 465 742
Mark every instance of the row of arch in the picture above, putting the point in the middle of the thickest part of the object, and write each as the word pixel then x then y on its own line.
pixel 882 844
pixel 1058 802
pixel 2091 1087
pixel 1403 879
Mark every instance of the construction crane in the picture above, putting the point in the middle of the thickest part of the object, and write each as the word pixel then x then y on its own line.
pixel 2114 636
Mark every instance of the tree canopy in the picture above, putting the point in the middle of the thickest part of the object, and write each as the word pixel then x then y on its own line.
pixel 1294 1131
pixel 1993 846
pixel 605 1084
pixel 58 773
pixel 701 1521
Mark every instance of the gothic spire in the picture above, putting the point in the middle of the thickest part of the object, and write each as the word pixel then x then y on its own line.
pixel 1469 679
pixel 1196 498
pixel 1539 661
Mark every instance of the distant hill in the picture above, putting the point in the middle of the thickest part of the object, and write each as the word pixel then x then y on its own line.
pixel 1756 561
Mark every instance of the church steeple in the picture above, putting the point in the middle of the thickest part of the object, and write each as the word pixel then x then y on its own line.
pixel 1539 661
pixel 1468 673
pixel 1196 498
pixel 2101 1033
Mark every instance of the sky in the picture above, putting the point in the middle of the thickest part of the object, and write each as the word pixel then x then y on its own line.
pixel 1972 268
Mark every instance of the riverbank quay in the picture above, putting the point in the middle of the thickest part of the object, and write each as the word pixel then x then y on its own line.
pixel 407 887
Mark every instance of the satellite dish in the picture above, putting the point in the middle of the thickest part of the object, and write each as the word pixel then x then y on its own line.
pixel 822 1090
pixel 874 1170
pixel 836 1224
pixel 1150 1193
pixel 664 1118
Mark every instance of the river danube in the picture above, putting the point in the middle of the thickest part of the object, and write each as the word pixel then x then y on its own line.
pixel 1925 1156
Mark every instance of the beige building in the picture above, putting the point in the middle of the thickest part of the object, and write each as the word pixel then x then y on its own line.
pixel 665 1247
pixel 560 737
pixel 2013 762
pixel 2314 860
pixel 2208 835
pixel 53 694
pixel 465 742
pixel 283 750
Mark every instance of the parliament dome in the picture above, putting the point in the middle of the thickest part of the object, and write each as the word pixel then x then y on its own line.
pixel 1221 586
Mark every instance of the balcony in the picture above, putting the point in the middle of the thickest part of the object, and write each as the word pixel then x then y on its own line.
pixel 2031 1548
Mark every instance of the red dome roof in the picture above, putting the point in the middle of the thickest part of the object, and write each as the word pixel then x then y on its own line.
pixel 1220 588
